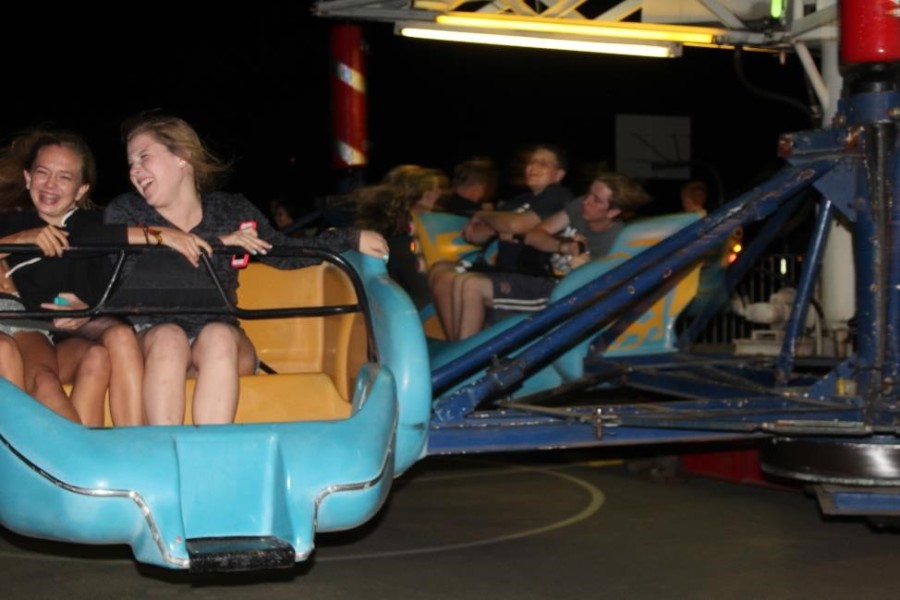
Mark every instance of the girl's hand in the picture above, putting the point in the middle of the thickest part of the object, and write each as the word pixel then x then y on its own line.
pixel 7 286
pixel 247 239
pixel 50 239
pixel 188 245
pixel 67 301
pixel 372 243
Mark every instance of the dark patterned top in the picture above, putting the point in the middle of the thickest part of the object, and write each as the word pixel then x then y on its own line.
pixel 40 278
pixel 162 278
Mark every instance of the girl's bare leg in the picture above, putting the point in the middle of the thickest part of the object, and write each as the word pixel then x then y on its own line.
pixel 461 288
pixel 85 365
pixel 167 356
pixel 477 293
pixel 440 282
pixel 126 375
pixel 11 366
pixel 41 374
pixel 247 359
pixel 216 353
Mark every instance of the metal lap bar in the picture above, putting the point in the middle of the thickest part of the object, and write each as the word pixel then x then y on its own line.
pixel 641 274
pixel 228 308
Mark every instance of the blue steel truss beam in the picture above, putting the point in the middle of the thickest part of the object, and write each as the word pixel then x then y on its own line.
pixel 594 304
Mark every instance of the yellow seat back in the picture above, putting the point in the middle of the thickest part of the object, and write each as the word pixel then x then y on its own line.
pixel 289 345
pixel 335 345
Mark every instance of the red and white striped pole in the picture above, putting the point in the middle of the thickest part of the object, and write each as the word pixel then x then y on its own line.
pixel 348 96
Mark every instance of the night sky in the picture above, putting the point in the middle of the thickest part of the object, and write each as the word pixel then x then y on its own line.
pixel 256 86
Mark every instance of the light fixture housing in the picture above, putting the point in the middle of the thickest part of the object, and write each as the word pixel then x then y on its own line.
pixel 653 32
pixel 527 39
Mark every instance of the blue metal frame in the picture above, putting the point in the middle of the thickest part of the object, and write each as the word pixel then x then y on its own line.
pixel 854 165
pixel 749 257
pixel 812 266
pixel 596 303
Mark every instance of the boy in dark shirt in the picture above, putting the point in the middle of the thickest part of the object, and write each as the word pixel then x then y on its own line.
pixel 463 314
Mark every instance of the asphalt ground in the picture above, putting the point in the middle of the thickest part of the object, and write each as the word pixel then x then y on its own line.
pixel 526 526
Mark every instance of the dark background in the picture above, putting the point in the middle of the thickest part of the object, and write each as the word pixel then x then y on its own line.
pixel 254 80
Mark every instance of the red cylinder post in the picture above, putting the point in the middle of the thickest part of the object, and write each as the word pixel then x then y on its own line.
pixel 870 31
pixel 348 96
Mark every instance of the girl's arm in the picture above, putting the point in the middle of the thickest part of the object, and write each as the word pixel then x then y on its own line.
pixel 187 244
pixel 50 239
pixel 133 215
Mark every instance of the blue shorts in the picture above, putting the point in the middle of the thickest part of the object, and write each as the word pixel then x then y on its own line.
pixel 521 293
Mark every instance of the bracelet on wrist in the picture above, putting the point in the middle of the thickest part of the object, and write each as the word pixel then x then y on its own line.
pixel 144 228
pixel 156 233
